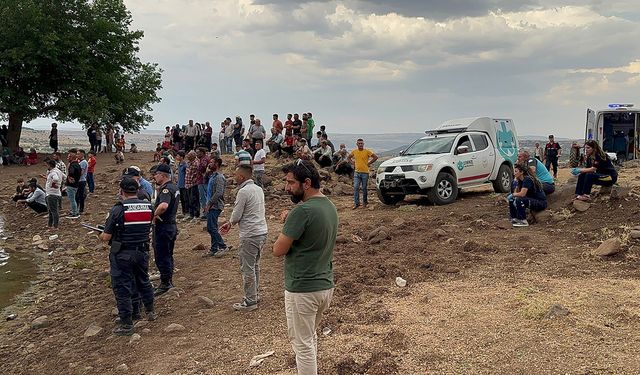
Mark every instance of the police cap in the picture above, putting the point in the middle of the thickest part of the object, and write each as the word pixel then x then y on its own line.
pixel 163 168
pixel 129 185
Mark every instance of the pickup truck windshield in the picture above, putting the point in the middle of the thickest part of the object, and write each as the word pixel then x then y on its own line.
pixel 437 145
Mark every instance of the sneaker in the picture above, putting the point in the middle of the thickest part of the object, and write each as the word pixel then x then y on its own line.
pixel 513 220
pixel 521 223
pixel 584 197
pixel 242 306
pixel 210 254
pixel 73 216
pixel 221 252
pixel 355 206
pixel 123 330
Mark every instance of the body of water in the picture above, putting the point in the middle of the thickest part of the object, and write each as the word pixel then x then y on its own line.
pixel 17 270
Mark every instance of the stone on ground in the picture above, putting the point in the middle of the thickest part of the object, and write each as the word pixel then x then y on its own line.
pixel 40 322
pixel 135 338
pixel 92 330
pixel 556 311
pixel 581 205
pixel 206 301
pixel 174 327
pixel 609 247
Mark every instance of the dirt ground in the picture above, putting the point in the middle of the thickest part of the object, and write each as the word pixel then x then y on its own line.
pixel 479 299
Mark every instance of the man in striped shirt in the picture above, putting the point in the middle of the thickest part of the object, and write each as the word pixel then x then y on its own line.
pixel 244 157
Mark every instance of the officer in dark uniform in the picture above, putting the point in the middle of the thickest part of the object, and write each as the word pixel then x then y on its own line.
pixel 127 231
pixel 165 230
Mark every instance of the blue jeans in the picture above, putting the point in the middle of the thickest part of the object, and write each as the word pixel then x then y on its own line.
pixel 202 196
pixel 217 243
pixel 71 194
pixel 518 207
pixel 90 182
pixel 360 179
pixel 229 142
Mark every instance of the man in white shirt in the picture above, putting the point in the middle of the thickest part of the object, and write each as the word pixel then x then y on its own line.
pixel 53 193
pixel 323 154
pixel 259 159
pixel 249 214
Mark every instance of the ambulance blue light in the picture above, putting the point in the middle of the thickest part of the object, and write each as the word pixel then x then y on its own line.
pixel 616 105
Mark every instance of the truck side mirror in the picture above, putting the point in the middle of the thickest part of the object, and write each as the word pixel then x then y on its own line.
pixel 401 152
pixel 462 150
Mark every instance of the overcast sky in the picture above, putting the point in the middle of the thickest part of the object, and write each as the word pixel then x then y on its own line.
pixel 377 66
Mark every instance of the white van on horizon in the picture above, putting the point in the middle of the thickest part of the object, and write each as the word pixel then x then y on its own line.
pixel 460 153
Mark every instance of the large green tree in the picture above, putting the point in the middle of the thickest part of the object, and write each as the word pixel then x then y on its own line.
pixel 73 60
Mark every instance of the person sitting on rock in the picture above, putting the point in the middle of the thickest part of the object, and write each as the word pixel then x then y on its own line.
pixel 527 193
pixel 322 155
pixel 539 170
pixel 133 148
pixel 22 190
pixel 341 163
pixel 36 200
pixel 32 157
pixel 303 152
pixel 599 170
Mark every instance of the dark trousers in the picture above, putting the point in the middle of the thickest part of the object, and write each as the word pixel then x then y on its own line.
pixel 217 242
pixel 188 143
pixel 37 207
pixel 90 182
pixel 323 161
pixel 184 200
pixel 53 205
pixel 518 206
pixel 53 143
pixel 344 169
pixel 193 201
pixel 587 180
pixel 552 162
pixel 81 195
pixel 164 239
pixel 130 282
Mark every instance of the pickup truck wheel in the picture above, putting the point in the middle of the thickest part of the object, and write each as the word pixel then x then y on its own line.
pixel 502 184
pixel 445 190
pixel 387 199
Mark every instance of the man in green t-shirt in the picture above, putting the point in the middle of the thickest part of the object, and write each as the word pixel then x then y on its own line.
pixel 307 242
pixel 310 125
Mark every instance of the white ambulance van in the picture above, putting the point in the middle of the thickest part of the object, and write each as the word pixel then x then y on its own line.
pixel 460 153
pixel 615 129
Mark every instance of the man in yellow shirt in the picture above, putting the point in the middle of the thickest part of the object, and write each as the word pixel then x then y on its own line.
pixel 362 158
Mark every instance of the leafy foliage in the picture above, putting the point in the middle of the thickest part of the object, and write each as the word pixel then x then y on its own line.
pixel 74 60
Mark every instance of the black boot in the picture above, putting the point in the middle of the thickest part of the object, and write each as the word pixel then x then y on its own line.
pixel 165 285
pixel 124 328
pixel 151 313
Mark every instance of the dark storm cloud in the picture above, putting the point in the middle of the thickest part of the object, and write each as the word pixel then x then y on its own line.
pixel 432 9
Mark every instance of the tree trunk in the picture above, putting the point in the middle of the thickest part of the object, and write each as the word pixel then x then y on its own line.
pixel 15 129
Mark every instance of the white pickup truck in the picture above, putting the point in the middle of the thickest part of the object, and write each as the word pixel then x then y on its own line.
pixel 460 153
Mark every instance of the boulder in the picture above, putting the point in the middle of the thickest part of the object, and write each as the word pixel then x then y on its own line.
pixel 40 322
pixel 611 246
pixel 635 234
pixel 562 197
pixel 92 330
pixel 398 222
pixel 206 301
pixel 440 233
pixel 541 216
pixel 581 205
pixel 342 239
pixel 556 311
pixel 174 327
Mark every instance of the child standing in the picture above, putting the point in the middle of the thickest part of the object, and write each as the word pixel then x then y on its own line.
pixel 91 169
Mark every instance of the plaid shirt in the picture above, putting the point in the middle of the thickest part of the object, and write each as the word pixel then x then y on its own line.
pixel 191 175
pixel 202 164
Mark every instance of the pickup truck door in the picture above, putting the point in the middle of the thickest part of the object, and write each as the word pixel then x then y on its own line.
pixel 485 156
pixel 466 165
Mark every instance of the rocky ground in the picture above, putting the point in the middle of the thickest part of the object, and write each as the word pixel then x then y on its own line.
pixel 480 296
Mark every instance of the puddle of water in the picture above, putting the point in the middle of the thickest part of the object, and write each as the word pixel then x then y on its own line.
pixel 17 270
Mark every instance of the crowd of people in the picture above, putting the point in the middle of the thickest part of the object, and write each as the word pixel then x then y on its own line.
pixel 188 177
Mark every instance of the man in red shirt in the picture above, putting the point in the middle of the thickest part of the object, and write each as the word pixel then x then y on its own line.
pixel 277 124
pixel 90 170
pixel 288 125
